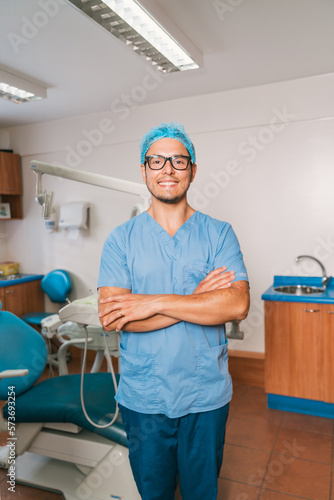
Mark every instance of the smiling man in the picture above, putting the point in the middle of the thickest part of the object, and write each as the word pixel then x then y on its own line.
pixel 169 280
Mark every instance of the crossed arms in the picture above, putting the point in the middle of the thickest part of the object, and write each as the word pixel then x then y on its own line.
pixel 215 301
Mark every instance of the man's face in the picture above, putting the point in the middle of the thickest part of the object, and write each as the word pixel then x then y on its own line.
pixel 168 185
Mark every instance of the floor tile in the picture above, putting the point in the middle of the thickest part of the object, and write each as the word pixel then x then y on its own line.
pixel 256 409
pixel 244 465
pixel 301 478
pixel 252 434
pixel 231 490
pixel 255 392
pixel 274 495
pixel 308 423
pixel 306 445
pixel 239 389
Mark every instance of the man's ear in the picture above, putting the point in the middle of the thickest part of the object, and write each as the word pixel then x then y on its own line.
pixel 193 171
pixel 143 172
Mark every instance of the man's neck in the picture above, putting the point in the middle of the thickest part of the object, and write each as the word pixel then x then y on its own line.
pixel 170 216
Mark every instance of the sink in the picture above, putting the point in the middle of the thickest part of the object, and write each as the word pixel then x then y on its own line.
pixel 298 289
pixel 11 277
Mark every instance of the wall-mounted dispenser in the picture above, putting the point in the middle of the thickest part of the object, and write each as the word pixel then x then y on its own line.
pixel 74 215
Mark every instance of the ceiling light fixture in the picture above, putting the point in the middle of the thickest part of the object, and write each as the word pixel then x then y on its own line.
pixel 17 89
pixel 146 29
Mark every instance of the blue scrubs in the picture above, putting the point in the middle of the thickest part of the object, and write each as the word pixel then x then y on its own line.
pixel 182 369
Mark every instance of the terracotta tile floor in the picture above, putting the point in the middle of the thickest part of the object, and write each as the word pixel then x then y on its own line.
pixel 269 455
pixel 273 455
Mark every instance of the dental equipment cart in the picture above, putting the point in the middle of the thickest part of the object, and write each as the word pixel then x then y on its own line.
pixel 68 328
pixel 55 447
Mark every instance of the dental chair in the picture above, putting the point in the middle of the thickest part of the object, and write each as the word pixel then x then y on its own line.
pixel 57 286
pixel 50 441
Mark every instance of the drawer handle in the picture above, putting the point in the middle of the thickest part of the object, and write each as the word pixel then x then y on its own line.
pixel 311 310
pixel 330 312
pixel 10 291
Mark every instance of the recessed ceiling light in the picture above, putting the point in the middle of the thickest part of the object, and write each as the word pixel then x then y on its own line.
pixel 143 27
pixel 17 89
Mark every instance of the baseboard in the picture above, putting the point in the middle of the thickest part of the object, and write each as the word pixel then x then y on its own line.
pixel 247 367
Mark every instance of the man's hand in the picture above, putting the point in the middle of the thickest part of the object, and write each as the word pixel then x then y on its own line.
pixel 125 308
pixel 215 280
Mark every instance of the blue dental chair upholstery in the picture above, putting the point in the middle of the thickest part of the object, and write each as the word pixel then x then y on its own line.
pixel 56 399
pixel 20 347
pixel 57 286
pixel 56 448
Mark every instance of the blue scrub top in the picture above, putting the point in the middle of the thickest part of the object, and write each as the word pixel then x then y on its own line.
pixel 183 368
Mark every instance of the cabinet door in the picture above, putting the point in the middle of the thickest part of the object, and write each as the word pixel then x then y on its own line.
pixel 294 349
pixel 328 321
pixel 10 174
pixel 2 298
pixel 306 351
pixel 24 298
pixel 277 347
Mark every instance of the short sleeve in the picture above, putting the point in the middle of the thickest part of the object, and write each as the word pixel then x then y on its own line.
pixel 113 267
pixel 229 254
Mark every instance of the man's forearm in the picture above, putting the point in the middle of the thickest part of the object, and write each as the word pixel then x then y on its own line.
pixel 156 322
pixel 209 308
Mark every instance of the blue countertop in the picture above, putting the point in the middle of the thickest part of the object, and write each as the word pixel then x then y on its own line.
pixel 24 278
pixel 326 297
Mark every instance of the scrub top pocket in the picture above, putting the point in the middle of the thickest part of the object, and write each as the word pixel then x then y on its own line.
pixel 214 377
pixel 195 273
pixel 138 379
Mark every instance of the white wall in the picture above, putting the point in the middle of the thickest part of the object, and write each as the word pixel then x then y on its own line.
pixel 265 158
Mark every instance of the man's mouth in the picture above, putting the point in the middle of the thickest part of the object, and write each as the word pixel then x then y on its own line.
pixel 166 183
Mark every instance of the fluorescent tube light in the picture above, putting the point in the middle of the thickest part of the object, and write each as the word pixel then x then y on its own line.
pixel 143 27
pixel 16 89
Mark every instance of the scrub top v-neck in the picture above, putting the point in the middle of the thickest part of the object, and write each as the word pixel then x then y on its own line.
pixel 183 368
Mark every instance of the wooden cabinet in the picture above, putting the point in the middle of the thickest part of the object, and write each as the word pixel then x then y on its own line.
pixel 23 298
pixel 2 298
pixel 299 340
pixel 328 322
pixel 11 183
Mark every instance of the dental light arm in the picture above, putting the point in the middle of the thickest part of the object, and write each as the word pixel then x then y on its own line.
pixel 44 198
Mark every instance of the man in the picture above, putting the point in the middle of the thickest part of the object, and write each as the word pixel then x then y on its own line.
pixel 169 280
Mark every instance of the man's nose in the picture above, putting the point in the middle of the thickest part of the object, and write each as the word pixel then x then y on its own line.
pixel 168 167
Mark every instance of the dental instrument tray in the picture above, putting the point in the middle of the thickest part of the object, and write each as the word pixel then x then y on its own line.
pixel 83 311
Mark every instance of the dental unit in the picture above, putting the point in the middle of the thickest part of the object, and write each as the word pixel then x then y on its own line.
pixel 68 435
pixel 59 443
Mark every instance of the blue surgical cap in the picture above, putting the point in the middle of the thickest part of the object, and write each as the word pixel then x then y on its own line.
pixel 172 130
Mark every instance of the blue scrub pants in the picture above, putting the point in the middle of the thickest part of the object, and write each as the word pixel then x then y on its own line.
pixel 163 449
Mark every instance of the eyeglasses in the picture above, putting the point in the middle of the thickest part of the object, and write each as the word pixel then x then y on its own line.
pixel 156 162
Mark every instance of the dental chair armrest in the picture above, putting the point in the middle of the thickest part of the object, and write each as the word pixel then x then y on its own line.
pixel 13 373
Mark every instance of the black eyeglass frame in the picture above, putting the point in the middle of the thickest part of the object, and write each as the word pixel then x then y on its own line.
pixel 168 158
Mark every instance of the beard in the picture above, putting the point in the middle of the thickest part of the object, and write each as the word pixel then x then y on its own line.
pixel 168 197
pixel 170 201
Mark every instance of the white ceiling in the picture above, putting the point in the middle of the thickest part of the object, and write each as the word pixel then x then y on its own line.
pixel 252 42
